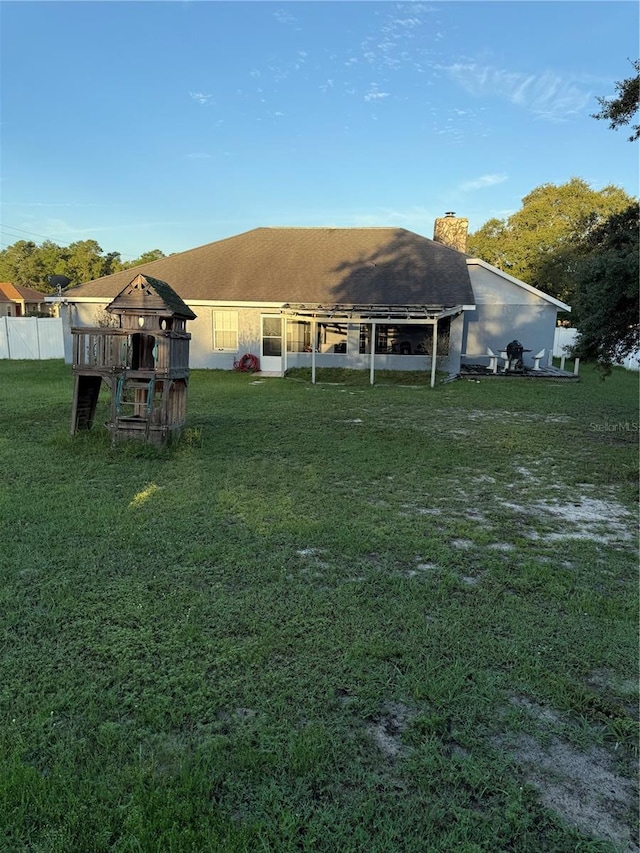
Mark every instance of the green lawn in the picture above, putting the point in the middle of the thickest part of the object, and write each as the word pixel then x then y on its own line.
pixel 331 618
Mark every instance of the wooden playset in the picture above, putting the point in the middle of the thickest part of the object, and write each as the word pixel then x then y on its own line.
pixel 144 361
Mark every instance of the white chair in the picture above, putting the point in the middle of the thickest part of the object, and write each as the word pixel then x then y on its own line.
pixel 538 358
pixel 493 360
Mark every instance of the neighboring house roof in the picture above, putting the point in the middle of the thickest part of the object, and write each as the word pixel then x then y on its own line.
pixel 320 266
pixel 17 293
pixel 150 294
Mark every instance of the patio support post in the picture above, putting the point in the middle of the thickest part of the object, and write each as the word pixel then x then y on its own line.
pixel 434 352
pixel 372 353
pixel 284 345
pixel 314 343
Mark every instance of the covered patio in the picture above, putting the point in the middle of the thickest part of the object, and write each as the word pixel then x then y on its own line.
pixel 372 323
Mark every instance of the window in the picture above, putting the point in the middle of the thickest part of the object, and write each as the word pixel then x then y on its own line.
pixel 225 330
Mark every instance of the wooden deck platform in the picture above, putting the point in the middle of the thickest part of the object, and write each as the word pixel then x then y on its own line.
pixel 477 371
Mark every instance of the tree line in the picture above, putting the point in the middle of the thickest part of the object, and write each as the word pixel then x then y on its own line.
pixel 27 264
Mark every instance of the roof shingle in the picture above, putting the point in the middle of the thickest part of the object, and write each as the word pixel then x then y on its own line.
pixel 312 266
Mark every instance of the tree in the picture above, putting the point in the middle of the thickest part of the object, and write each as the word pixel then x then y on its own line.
pixel 145 258
pixel 29 265
pixel 621 110
pixel 86 261
pixel 21 264
pixel 607 299
pixel 535 244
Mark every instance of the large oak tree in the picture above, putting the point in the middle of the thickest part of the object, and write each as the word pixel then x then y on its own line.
pixel 607 302
pixel 535 243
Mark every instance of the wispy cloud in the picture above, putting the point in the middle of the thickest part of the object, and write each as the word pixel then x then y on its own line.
pixel 547 95
pixel 374 94
pixel 284 17
pixel 482 182
pixel 199 155
pixel 401 39
pixel 201 98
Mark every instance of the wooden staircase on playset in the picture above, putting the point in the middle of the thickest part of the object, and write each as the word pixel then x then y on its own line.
pixel 144 362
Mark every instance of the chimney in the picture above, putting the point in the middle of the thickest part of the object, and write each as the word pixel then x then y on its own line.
pixel 451 231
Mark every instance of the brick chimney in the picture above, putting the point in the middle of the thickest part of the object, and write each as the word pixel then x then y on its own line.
pixel 451 230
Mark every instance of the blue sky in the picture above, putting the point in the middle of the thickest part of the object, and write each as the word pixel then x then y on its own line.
pixel 172 124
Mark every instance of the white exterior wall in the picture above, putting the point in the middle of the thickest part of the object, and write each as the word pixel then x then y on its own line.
pixel 505 311
pixel 201 351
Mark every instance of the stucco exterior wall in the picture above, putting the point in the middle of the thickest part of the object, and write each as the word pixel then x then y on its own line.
pixel 505 311
pixel 202 353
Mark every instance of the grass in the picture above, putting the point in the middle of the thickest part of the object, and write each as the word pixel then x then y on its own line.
pixel 326 619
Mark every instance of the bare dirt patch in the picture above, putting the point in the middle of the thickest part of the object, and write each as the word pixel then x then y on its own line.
pixel 501 546
pixel 582 787
pixel 462 544
pixel 604 678
pixel 585 518
pixel 421 566
pixel 585 788
pixel 386 729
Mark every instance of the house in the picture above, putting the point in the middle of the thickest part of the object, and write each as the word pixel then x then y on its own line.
pixel 364 298
pixel 16 301
pixel 6 305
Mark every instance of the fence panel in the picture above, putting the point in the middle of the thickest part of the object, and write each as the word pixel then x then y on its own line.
pixel 31 338
pixel 564 338
pixel 23 338
pixel 4 338
pixel 50 337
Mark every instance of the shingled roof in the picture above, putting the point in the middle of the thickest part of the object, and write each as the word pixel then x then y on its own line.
pixel 311 266
pixel 17 293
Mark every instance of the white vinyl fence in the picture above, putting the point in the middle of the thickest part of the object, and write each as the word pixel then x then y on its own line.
pixel 31 337
pixel 565 338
